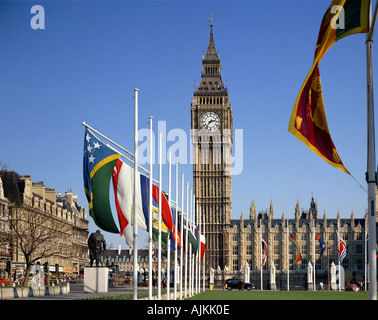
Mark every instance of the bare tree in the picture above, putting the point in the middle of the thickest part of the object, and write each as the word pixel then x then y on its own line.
pixel 38 235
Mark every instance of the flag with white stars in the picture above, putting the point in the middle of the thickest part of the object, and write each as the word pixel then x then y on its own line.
pixel 98 163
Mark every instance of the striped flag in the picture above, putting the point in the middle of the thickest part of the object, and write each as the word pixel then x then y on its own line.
pixel 342 248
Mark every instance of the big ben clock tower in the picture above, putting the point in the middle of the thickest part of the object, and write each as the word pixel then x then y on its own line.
pixel 212 146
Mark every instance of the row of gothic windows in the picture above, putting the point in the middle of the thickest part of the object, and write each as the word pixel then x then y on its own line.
pixel 210 100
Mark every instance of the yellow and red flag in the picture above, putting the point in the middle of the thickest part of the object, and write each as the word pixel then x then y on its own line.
pixel 308 122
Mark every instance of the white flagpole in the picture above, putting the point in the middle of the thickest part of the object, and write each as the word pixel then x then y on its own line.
pixel 196 255
pixel 371 161
pixel 287 253
pixel 159 217
pixel 365 286
pixel 186 253
pixel 191 257
pixel 182 222
pixel 150 221
pixel 169 240
pixel 189 227
pixel 338 247
pixel 195 261
pixel 135 229
pixel 313 224
pixel 204 253
pixel 194 274
pixel 261 266
pixel 176 217
pixel 199 249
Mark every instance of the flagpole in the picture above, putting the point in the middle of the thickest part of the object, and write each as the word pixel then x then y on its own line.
pixel 204 252
pixel 192 258
pixel 182 222
pixel 188 259
pixel 261 279
pixel 196 253
pixel 313 224
pixel 150 242
pixel 186 253
pixel 365 258
pixel 338 247
pixel 176 222
pixel 169 240
pixel 135 229
pixel 159 217
pixel 287 253
pixel 194 264
pixel 199 250
pixel 371 161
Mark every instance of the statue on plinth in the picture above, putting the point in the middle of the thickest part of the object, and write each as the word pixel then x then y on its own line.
pixel 96 243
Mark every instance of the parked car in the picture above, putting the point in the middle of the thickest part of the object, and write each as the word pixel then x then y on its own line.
pixel 234 284
pixel 4 282
pixel 352 287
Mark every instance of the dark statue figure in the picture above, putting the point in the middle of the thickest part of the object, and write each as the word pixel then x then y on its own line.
pixel 96 243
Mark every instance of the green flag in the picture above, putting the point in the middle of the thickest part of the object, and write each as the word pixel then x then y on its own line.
pixel 98 164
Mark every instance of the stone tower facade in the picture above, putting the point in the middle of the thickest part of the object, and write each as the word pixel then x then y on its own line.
pixel 211 124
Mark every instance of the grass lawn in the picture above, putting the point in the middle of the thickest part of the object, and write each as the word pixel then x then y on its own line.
pixel 279 295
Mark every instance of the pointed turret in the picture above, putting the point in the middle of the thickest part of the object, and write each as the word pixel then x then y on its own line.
pixel 211 77
pixel 211 52
pixel 252 211
pixel 271 211
pixel 297 211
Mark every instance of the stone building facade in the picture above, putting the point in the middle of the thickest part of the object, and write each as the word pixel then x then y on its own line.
pixel 243 239
pixel 22 193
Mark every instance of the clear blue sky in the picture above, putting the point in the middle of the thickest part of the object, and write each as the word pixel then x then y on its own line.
pixel 91 55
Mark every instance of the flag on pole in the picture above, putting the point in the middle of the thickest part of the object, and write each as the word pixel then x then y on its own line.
pixel 308 122
pixel 155 225
pixel 192 236
pixel 183 237
pixel 123 185
pixel 342 249
pixel 165 210
pixel 173 209
pixel 298 258
pixel 321 243
pixel 264 250
pixel 98 163
pixel 203 245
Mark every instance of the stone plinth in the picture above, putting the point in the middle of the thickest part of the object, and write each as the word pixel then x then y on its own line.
pixel 96 280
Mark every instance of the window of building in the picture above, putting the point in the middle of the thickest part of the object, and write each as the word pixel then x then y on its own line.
pixel 235 265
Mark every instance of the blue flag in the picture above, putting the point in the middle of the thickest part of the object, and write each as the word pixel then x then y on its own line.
pixel 322 244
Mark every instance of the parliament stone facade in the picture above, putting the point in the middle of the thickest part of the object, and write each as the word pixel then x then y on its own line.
pixel 243 239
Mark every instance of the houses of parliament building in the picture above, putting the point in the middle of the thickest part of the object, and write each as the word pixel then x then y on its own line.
pixel 235 243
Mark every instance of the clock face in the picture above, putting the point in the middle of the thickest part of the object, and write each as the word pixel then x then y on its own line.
pixel 210 121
